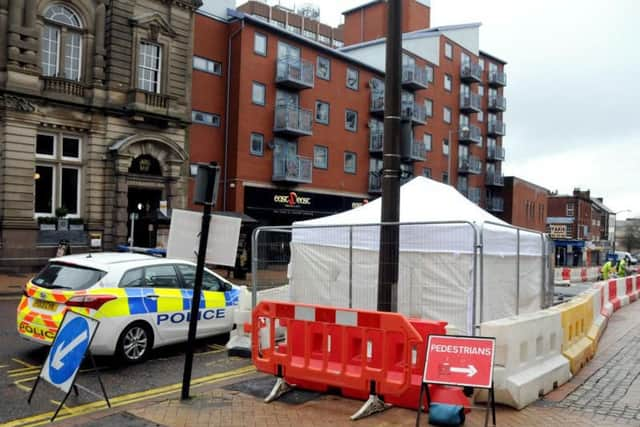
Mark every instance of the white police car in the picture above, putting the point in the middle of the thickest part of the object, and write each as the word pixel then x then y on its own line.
pixel 142 302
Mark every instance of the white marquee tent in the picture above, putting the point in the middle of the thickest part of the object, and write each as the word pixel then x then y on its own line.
pixel 334 260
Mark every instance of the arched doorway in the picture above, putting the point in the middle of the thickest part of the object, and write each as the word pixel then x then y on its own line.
pixel 148 178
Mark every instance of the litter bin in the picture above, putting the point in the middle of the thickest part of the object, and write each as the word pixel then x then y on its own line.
pixel 64 248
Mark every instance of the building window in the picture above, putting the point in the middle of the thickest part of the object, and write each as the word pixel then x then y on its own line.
pixel 323 68
pixel 294 29
pixel 350 161
pixel 446 114
pixel 279 24
pixel 205 118
pixel 338 44
pixel 260 44
pixel 481 63
pixel 352 78
pixel 258 93
pixel 309 34
pixel 445 178
pixel 322 112
pixel 351 120
pixel 426 139
pixel 207 65
pixel 61 44
pixel 324 39
pixel 426 172
pixel 570 209
pixel 429 70
pixel 428 107
pixel 481 90
pixel 256 146
pixel 480 116
pixel 320 157
pixel 149 63
pixel 57 174
pixel 448 50
pixel 448 81
pixel 445 147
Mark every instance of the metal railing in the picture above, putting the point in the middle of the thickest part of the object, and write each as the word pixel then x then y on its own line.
pixel 495 204
pixel 471 72
pixel 292 120
pixel 497 78
pixel 469 164
pixel 376 141
pixel 414 76
pixel 497 128
pixel 497 103
pixel 470 102
pixel 418 151
pixel 295 72
pixel 377 102
pixel 496 152
pixel 412 111
pixel 495 179
pixel 290 168
pixel 470 133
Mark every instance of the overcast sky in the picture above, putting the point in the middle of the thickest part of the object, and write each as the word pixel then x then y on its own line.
pixel 573 80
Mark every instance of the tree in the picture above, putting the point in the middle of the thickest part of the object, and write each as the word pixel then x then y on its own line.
pixel 631 238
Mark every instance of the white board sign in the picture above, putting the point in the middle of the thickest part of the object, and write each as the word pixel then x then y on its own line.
pixel 184 237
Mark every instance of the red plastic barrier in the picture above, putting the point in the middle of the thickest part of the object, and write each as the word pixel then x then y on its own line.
pixel 583 274
pixel 631 293
pixel 566 274
pixel 328 347
pixel 613 294
pixel 638 283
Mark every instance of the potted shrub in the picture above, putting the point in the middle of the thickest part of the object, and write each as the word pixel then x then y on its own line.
pixel 76 224
pixel 63 223
pixel 47 223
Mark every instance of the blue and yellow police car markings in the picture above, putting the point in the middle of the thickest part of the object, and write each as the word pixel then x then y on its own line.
pixel 139 300
pixel 232 297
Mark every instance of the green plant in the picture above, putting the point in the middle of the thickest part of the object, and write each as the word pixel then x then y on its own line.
pixel 76 221
pixel 47 220
pixel 61 212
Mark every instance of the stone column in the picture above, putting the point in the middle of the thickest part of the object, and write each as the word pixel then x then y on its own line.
pixel 98 58
pixel 4 4
pixel 15 24
pixel 31 32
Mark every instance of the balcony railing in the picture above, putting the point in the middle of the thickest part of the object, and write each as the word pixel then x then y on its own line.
pixel 375 182
pixel 148 102
pixel 474 195
pixel 470 134
pixel 414 77
pixel 497 103
pixel 376 141
pixel 497 128
pixel 63 86
pixel 497 78
pixel 293 121
pixel 295 73
pixel 418 151
pixel 494 179
pixel 414 112
pixel 471 73
pixel 495 204
pixel 469 164
pixel 377 102
pixel 495 153
pixel 290 168
pixel 470 103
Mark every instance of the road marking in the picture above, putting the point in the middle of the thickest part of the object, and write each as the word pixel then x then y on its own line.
pixel 10 298
pixel 4 366
pixel 23 363
pixel 24 387
pixel 41 419
pixel 29 371
pixel 56 403
pixel 215 348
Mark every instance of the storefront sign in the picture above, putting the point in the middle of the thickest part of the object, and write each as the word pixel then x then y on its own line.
pixel 558 231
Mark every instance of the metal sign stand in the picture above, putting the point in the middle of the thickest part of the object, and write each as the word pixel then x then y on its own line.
pixel 73 386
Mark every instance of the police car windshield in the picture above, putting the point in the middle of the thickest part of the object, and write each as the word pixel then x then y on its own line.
pixel 58 275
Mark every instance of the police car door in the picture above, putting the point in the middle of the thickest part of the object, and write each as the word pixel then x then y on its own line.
pixel 214 315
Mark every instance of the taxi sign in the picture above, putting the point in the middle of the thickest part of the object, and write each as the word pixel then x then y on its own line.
pixel 68 350
pixel 461 361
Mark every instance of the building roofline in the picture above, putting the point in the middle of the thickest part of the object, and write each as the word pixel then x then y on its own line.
pixel 495 58
pixel 362 6
pixel 324 48
pixel 528 182
pixel 212 16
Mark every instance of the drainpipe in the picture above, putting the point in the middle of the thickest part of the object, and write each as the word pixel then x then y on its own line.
pixel 226 118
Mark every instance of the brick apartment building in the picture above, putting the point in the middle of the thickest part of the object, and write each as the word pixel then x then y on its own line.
pixel 580 228
pixel 525 204
pixel 95 104
pixel 293 109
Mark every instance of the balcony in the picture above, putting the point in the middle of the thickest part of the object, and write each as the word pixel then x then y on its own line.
pixel 142 103
pixel 495 153
pixel 474 195
pixel 376 142
pixel 63 86
pixel 377 103
pixel 414 78
pixel 497 128
pixel 497 103
pixel 292 121
pixel 497 79
pixel 494 179
pixel 289 168
pixel 495 204
pixel 470 103
pixel 375 183
pixel 294 73
pixel 470 134
pixel 469 165
pixel 471 73
pixel 413 112
pixel 418 152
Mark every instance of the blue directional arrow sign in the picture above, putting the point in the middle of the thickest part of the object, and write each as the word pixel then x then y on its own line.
pixel 68 350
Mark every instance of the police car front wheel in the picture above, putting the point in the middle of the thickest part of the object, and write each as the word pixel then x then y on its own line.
pixel 135 343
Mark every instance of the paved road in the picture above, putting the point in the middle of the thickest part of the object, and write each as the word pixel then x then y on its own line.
pixel 20 363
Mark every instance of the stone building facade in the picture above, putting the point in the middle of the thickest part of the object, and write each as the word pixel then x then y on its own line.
pixel 95 103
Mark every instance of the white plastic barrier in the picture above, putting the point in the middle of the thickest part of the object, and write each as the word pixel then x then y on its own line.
pixel 622 291
pixel 576 275
pixel 599 319
pixel 528 360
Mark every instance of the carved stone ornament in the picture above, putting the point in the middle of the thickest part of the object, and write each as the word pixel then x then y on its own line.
pixel 154 30
pixel 16 103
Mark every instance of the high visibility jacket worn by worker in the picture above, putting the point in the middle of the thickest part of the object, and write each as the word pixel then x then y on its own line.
pixel 622 268
pixel 606 270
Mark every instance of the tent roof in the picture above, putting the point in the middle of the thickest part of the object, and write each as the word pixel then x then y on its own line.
pixel 421 200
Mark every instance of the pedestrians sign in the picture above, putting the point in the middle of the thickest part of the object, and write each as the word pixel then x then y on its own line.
pixel 462 361
pixel 68 350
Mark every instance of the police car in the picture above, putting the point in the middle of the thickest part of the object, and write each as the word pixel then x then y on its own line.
pixel 142 302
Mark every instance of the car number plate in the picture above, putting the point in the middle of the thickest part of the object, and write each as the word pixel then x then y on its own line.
pixel 46 305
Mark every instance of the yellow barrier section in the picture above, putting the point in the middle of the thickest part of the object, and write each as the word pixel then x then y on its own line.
pixel 599 320
pixel 576 318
